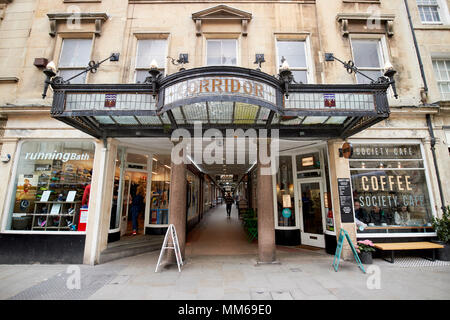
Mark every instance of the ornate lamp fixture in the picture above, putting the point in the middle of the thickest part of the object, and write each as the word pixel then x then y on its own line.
pixel 182 59
pixel 259 59
pixel 387 78
pixel 155 74
pixel 51 78
pixel 285 76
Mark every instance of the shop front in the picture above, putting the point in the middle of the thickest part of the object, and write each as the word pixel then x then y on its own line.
pixel 391 190
pixel 294 206
pixel 48 199
pixel 303 203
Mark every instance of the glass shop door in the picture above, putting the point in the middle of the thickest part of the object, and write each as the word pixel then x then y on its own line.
pixel 311 209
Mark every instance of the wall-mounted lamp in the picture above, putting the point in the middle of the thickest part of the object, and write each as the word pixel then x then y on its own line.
pixel 285 76
pixel 50 72
pixel 183 59
pixel 154 75
pixel 5 158
pixel 259 58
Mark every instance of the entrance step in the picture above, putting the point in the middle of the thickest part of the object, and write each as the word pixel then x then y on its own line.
pixel 131 246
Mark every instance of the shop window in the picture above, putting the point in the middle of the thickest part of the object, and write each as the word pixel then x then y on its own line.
pixel 368 58
pixel 285 193
pixel 193 193
pixel 74 58
pixel 429 11
pixel 295 54
pixel 51 185
pixel 442 72
pixel 159 201
pixel 221 52
pixel 389 186
pixel 147 51
pixel 117 191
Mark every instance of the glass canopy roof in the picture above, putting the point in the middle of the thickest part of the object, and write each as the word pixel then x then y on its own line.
pixel 220 97
pixel 226 112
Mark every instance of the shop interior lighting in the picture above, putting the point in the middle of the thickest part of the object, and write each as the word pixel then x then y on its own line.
pixel 307 162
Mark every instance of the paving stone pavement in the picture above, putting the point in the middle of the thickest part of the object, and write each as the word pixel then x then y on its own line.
pixel 301 275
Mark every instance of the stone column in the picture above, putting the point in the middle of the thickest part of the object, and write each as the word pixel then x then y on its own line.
pixel 266 221
pixel 177 204
pixel 339 168
pixel 100 201
pixel 6 169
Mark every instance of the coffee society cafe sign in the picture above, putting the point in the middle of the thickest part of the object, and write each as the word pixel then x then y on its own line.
pixel 384 151
pixel 220 86
pixel 386 186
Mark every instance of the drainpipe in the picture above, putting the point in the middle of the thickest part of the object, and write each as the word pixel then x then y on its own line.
pixel 424 93
pixel 433 151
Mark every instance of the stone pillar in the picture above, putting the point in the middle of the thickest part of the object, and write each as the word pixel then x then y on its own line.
pixel 100 201
pixel 266 221
pixel 339 168
pixel 6 169
pixel 177 204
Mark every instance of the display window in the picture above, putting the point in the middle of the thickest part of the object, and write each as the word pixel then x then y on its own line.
pixel 193 192
pixel 51 186
pixel 285 193
pixel 390 188
pixel 160 190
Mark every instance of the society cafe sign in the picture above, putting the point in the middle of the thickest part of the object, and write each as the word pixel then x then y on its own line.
pixel 219 85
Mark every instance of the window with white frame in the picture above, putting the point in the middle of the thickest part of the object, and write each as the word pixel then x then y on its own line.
pixel 368 58
pixel 442 72
pixel 147 51
pixel 295 54
pixel 429 11
pixel 221 52
pixel 390 187
pixel 74 58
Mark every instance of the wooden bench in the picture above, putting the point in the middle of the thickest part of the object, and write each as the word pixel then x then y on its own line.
pixel 392 247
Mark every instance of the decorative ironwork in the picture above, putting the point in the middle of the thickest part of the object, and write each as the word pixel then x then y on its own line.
pixel 92 67
pixel 388 77
pixel 311 110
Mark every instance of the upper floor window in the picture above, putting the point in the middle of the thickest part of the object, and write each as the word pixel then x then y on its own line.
pixel 148 50
pixel 368 58
pixel 429 11
pixel 295 54
pixel 74 58
pixel 442 72
pixel 221 52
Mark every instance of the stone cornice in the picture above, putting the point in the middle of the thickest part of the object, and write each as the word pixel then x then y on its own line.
pixel 97 18
pixel 347 18
pixel 221 12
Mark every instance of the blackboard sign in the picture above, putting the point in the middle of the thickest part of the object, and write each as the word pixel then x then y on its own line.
pixel 345 200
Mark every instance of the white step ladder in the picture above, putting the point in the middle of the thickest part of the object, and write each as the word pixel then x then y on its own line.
pixel 174 245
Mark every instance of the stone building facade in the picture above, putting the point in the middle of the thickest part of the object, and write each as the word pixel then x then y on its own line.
pixel 411 36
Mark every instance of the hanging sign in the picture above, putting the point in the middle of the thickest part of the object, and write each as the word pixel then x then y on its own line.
pixel 345 200
pixel 217 86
